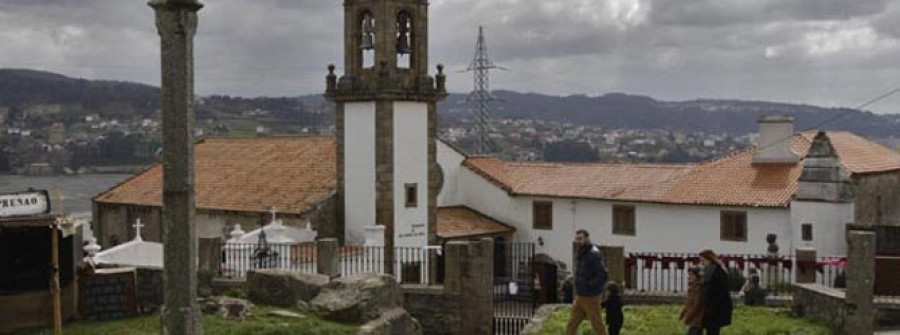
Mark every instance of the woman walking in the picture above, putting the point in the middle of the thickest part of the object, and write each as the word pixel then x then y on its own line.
pixel 717 297
pixel 692 312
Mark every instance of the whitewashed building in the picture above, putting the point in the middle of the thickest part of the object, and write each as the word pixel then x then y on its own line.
pixel 728 204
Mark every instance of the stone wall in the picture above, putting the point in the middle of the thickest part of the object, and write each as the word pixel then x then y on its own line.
pixel 463 305
pixel 149 290
pixel 820 303
pixel 108 294
pixel 432 307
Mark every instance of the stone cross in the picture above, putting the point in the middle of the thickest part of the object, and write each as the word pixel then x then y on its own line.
pixel 176 23
pixel 273 211
pixel 137 230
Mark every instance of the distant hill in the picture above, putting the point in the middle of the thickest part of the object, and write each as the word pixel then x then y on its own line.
pixel 617 110
pixel 20 88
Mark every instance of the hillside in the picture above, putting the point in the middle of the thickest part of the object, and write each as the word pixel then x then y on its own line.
pixel 21 88
pixel 616 110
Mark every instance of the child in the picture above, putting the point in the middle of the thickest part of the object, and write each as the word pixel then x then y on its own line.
pixel 692 312
pixel 613 305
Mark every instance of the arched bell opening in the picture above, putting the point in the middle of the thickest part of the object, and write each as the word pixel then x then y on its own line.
pixel 367 39
pixel 404 40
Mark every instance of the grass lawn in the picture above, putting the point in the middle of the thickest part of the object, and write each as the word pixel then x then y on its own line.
pixel 663 320
pixel 257 323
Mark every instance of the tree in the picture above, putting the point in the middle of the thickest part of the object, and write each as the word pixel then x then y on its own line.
pixel 570 151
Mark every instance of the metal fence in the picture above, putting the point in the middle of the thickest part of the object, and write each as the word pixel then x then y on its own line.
pixel 238 258
pixel 515 288
pixel 668 272
pixel 411 264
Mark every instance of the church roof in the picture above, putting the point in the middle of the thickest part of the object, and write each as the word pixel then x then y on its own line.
pixel 461 221
pixel 290 173
pixel 729 181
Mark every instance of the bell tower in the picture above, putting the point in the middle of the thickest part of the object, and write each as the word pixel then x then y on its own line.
pixel 385 120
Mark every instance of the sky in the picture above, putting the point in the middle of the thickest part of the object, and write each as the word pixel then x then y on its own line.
pixel 822 52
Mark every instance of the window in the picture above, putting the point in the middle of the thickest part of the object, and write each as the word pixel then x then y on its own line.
pixel 733 226
pixel 412 195
pixel 806 232
pixel 623 220
pixel 542 215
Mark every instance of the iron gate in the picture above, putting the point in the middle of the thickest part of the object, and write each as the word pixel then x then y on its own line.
pixel 515 287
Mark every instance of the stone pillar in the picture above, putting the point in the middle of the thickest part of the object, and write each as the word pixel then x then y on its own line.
pixel 860 282
pixel 615 263
pixel 454 252
pixel 176 22
pixel 476 281
pixel 805 266
pixel 328 257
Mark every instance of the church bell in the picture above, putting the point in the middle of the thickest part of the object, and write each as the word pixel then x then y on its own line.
pixel 367 43
pixel 403 44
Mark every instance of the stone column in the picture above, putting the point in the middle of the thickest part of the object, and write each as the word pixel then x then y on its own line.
pixel 477 287
pixel 328 257
pixel 805 266
pixel 860 282
pixel 176 22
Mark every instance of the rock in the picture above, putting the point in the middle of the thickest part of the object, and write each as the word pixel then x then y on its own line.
pixel 285 314
pixel 540 316
pixel 282 288
pixel 303 306
pixel 358 299
pixel 210 306
pixel 395 321
pixel 234 308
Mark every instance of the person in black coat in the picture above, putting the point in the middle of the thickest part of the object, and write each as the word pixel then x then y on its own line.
pixel 613 305
pixel 718 308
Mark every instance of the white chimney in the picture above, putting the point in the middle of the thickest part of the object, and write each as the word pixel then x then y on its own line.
pixel 774 142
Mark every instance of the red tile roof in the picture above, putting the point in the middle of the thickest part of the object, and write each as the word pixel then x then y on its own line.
pixel 290 173
pixel 638 182
pixel 461 221
pixel 728 181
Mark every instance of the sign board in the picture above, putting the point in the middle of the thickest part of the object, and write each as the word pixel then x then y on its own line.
pixel 27 203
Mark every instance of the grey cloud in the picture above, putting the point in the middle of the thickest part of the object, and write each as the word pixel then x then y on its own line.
pixel 672 49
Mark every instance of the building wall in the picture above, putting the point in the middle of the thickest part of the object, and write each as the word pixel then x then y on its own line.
pixel 115 222
pixel 410 167
pixel 829 222
pixel 659 227
pixel 359 170
pixel 451 163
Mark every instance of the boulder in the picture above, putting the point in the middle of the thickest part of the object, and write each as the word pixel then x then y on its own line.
pixel 234 308
pixel 395 321
pixel 281 287
pixel 358 299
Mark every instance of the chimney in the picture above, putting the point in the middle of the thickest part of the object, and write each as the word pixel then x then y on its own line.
pixel 774 142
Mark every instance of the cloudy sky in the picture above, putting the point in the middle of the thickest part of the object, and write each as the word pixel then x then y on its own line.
pixel 825 52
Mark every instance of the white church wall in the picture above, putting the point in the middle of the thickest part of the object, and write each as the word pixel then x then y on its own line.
pixel 359 170
pixel 659 227
pixel 829 222
pixel 410 167
pixel 451 163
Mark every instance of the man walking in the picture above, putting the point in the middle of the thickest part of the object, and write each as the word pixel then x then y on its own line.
pixel 590 279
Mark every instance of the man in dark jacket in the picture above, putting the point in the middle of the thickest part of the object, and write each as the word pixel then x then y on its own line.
pixel 590 279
